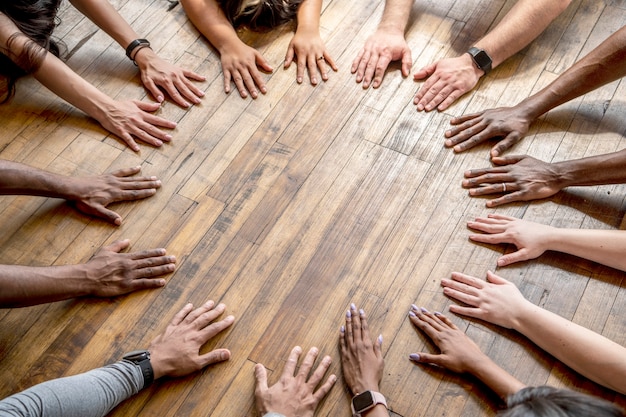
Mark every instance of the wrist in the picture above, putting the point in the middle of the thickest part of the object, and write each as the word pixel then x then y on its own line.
pixel 362 386
pixel 143 56
pixel 390 29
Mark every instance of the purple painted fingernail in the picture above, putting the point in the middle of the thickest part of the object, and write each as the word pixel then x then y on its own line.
pixel 437 313
pixel 423 310
pixel 412 314
pixel 352 306
pixel 414 307
pixel 414 357
pixel 361 312
pixel 348 314
pixel 342 329
pixel 380 339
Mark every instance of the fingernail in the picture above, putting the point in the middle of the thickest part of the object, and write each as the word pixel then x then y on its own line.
pixel 299 79
pixel 380 339
pixel 414 357
pixel 348 314
pixel 414 307
pixel 361 312
pixel 412 314
pixel 342 329
pixel 168 137
pixel 352 306
pixel 423 310
pixel 437 313
pixel 161 282
pixel 160 99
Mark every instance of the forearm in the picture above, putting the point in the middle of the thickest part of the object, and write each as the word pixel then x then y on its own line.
pixel 209 18
pixel 522 24
pixel 590 354
pixel 92 394
pixel 104 15
pixel 604 64
pixel 606 247
pixel 594 170
pixel 496 378
pixel 20 179
pixel 22 286
pixel 396 15
pixel 309 16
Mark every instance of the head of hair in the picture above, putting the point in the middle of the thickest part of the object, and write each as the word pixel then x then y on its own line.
pixel 545 401
pixel 260 14
pixel 35 19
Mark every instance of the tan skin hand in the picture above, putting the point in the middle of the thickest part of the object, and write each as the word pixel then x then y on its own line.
pixel 158 74
pixel 94 194
pixel 132 120
pixel 176 351
pixel 294 394
pixel 496 300
pixel 447 80
pixel 458 353
pixel 361 360
pixel 110 273
pixel 240 64
pixel 525 178
pixel 379 51
pixel 309 52
pixel 529 238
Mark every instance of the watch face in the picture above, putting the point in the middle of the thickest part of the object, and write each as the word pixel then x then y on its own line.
pixel 363 401
pixel 482 59
pixel 137 355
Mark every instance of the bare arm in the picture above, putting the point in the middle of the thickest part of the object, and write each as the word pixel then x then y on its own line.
pixel 385 45
pixel 532 239
pixel 459 353
pixel 498 301
pixel 239 61
pixel 450 78
pixel 155 72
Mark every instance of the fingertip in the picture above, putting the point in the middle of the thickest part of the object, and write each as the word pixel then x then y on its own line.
pixel 117 221
pixel 415 357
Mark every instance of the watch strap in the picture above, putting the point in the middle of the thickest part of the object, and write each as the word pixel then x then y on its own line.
pixel 481 58
pixel 142 359
pixel 377 398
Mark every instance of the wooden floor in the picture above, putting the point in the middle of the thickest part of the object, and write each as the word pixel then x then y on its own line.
pixel 292 206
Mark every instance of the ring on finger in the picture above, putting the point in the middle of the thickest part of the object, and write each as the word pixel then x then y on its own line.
pixel 503 187
pixel 320 58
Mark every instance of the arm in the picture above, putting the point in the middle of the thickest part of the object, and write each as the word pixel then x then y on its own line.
pixel 524 178
pixel 293 395
pixel 155 72
pixel 307 44
pixel 533 239
pixel 450 78
pixel 385 45
pixel 604 64
pixel 91 195
pixel 107 274
pixel 459 353
pixel 239 61
pixel 498 301
pixel 361 360
pixel 175 352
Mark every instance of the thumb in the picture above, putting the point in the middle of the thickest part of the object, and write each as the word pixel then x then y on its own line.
pixel 117 246
pixel 423 357
pixel 496 279
pixel 407 61
pixel 261 377
pixel 109 215
pixel 217 355
pixel 424 72
pixel 507 160
pixel 289 56
pixel 518 256
pixel 149 107
pixel 261 62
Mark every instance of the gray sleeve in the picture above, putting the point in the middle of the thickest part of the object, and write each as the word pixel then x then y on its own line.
pixel 273 414
pixel 92 394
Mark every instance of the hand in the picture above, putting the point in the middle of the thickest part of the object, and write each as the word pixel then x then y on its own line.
pixel 496 300
pixel 530 238
pixel 176 351
pixel 131 119
pixel 293 396
pixel 458 354
pixel 510 124
pixel 380 49
pixel 110 273
pixel 239 63
pixel 308 48
pixel 520 178
pixel 156 72
pixel 361 360
pixel 448 79
pixel 92 195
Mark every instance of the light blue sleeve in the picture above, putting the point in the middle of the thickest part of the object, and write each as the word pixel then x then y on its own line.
pixel 92 394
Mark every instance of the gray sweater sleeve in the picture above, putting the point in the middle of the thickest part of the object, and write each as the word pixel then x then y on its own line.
pixel 92 394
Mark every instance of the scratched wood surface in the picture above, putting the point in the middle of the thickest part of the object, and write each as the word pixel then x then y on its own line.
pixel 289 207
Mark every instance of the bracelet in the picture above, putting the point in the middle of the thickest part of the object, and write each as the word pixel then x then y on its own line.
pixel 144 43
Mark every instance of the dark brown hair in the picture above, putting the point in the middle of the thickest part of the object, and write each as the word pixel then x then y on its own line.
pixel 266 14
pixel 36 19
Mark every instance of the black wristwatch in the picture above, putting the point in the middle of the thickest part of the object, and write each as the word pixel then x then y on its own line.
pixel 142 359
pixel 481 59
pixel 366 400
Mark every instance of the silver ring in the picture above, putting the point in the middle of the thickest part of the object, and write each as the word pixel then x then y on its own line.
pixel 503 187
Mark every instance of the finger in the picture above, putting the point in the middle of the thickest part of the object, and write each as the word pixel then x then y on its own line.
pixel 207 316
pixel 467 287
pixel 473 312
pixel 450 99
pixel 462 119
pixel 240 85
pixel 425 92
pixel 468 280
pixel 215 356
pixel 370 69
pixel 356 324
pixel 356 63
pixel 491 239
pixel 322 68
pixel 362 67
pixel 446 321
pixel 292 362
pixel 227 78
pixel 195 76
pixel 200 310
pixel 153 89
pixel 256 80
pixel 261 62
pixel 312 69
pixel 307 363
pixel 419 321
pixel 260 374
pixel 154 271
pixel 250 82
pixel 348 328
pixel 424 357
pixel 497 216
pixel 423 73
pixel 497 279
pixel 300 67
pixel 330 61
pixel 324 389
pixel 461 132
pixel 126 172
pixel 216 328
pixel 174 93
pixel 407 62
pixel 319 372
pixel 117 246
pixel 507 160
pixel 505 199
pixel 148 253
pixel 108 215
pixel 365 332
pixel 180 316
pixel 381 67
pixel 441 95
pixel 289 57
pixel 511 258
pixel 140 183
pixel 342 340
pixel 128 139
pixel 145 284
pixel 506 143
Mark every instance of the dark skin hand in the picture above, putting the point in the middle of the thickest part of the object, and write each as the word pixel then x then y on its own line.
pixel 519 177
pixel 510 124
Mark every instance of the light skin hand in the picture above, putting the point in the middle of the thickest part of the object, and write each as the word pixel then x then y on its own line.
pixel 310 53
pixel 132 120
pixel 531 239
pixel 176 351
pixel 379 51
pixel 94 194
pixel 241 64
pixel 111 273
pixel 361 359
pixel 525 178
pixel 510 124
pixel 496 300
pixel 294 394
pixel 448 79
pixel 157 74
pixel 458 353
